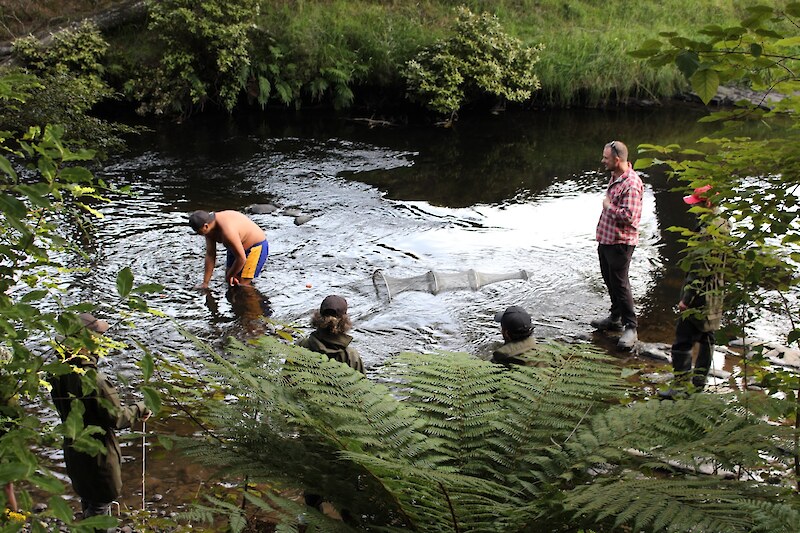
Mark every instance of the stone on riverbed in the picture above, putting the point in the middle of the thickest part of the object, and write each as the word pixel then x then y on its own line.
pixel 655 350
pixel 784 356
pixel 262 209
pixel 773 352
pixel 291 212
pixel 657 378
pixel 302 219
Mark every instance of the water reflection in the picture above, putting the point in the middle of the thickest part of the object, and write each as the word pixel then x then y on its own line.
pixel 494 194
pixel 250 308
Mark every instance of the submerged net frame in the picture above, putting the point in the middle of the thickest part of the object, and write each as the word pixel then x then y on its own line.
pixel 388 287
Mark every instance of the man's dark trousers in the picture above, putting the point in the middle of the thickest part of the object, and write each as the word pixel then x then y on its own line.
pixel 615 260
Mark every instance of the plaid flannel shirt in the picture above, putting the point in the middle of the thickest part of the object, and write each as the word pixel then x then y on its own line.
pixel 619 222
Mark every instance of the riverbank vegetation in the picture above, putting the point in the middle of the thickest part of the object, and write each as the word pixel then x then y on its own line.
pixel 448 442
pixel 188 56
pixel 756 177
pixel 560 446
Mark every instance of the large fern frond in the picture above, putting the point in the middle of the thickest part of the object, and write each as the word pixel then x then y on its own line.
pixel 453 443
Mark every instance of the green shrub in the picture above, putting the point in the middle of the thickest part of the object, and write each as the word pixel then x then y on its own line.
pixel 206 54
pixel 70 75
pixel 480 59
pixel 449 442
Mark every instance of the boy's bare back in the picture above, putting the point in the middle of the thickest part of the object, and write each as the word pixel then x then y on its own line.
pixel 234 227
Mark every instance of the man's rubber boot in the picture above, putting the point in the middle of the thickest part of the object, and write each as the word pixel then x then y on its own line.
pixel 682 367
pixel 609 323
pixel 628 338
pixel 701 367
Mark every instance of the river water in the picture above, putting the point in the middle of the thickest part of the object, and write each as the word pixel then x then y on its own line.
pixel 495 194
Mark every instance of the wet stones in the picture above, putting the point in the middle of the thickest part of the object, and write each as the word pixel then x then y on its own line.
pixel 291 212
pixel 658 351
pixel 784 356
pixel 270 209
pixel 262 209
pixel 773 352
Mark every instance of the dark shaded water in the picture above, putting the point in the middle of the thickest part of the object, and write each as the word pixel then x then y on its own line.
pixel 496 194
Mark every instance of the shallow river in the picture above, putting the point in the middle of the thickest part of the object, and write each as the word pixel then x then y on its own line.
pixel 496 194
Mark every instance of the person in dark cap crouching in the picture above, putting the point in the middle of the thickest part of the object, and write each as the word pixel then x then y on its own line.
pixel 330 337
pixel 517 330
pixel 97 479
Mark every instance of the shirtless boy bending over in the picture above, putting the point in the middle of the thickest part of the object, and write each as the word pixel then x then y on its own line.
pixel 245 242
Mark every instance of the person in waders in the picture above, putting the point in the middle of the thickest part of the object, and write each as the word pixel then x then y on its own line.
pixel 97 479
pixel 700 305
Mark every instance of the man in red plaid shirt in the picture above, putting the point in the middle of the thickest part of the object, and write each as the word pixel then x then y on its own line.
pixel 617 236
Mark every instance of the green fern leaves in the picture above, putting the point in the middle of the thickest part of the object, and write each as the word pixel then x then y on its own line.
pixel 451 443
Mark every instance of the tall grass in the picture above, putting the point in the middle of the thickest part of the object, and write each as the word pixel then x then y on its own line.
pixel 587 42
pixel 367 42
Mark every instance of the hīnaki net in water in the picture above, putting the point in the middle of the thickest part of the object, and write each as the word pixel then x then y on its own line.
pixel 388 287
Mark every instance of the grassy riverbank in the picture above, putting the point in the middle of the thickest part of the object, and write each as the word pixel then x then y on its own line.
pixel 363 44
pixel 585 60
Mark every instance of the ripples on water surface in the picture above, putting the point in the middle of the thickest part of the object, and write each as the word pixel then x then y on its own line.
pixel 499 195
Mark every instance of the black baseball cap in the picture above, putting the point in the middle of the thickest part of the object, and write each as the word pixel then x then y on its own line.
pixel 515 320
pixel 333 306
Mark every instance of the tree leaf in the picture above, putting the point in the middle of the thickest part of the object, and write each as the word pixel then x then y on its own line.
pixel 166 442
pixel 49 484
pixel 789 41
pixel 5 167
pixel 705 83
pixel 12 207
pixel 628 372
pixel 687 62
pixel 99 522
pixel 137 303
pixel 13 472
pixel 148 288
pixel 124 282
pixel 59 508
pixel 34 295
pixel 147 366
pixel 151 399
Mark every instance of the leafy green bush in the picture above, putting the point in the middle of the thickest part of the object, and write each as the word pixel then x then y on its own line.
pixel 45 194
pixel 70 73
pixel 206 54
pixel 480 59
pixel 753 163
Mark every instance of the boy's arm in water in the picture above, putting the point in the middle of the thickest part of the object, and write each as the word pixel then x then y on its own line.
pixel 209 262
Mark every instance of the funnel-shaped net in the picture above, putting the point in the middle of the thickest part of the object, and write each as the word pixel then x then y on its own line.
pixel 388 287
